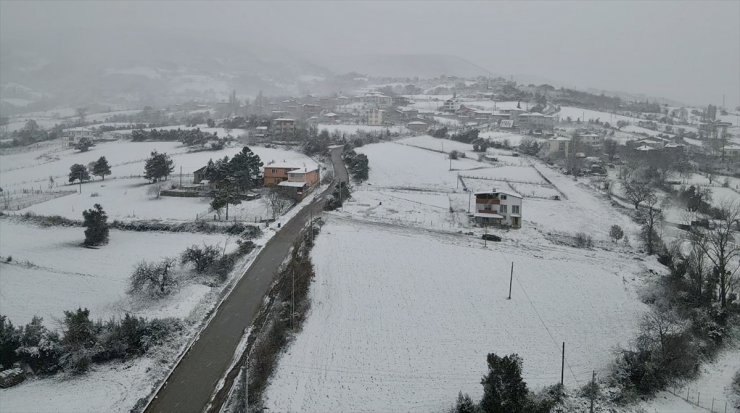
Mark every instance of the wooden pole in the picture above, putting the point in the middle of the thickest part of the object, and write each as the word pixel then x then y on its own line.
pixel 562 366
pixel 511 279
pixel 593 390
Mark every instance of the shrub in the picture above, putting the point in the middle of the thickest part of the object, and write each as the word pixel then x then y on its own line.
pixel 154 278
pixel 583 240
pixel 454 155
pixel 201 258
pixel 616 233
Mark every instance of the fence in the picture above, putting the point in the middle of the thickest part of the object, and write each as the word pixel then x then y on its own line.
pixel 708 402
pixel 14 200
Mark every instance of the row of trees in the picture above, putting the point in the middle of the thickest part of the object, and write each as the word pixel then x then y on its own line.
pixel 189 137
pixel 81 343
pixel 358 165
pixel 79 172
pixel 157 167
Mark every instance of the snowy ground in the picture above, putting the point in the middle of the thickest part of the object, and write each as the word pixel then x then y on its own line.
pixel 69 279
pixel 50 272
pixel 367 346
pixel 407 301
pixel 32 169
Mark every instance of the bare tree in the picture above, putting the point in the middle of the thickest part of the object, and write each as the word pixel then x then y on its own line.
pixel 276 202
pixel 637 190
pixel 154 191
pixel 720 248
pixel 651 217
pixel 155 278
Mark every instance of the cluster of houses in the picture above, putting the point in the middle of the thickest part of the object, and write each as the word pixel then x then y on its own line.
pixel 534 123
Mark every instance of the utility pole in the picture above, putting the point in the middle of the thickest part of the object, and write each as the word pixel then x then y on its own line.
pixel 180 176
pixel 80 181
pixel 469 195
pixel 562 366
pixel 593 391
pixel 450 163
pixel 511 279
pixel 292 298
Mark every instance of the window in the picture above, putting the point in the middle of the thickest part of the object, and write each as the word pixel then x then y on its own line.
pixel 503 196
pixel 515 209
pixel 502 209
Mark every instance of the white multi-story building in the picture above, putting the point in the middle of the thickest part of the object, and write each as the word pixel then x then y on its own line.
pixel 498 208
pixel 375 117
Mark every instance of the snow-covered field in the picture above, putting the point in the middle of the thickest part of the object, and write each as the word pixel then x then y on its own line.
pixel 50 272
pixel 407 302
pixel 389 332
pixel 33 168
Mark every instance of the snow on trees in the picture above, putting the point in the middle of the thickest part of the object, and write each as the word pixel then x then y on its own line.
pixel 96 224
pixel 158 166
pixel 153 278
pixel 101 167
pixel 78 172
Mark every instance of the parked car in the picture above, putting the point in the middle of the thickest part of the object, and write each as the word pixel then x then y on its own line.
pixel 491 237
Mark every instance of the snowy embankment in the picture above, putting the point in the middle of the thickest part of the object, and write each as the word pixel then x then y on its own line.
pixel 388 332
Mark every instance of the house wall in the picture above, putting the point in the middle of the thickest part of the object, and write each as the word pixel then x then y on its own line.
pixel 503 207
pixel 273 176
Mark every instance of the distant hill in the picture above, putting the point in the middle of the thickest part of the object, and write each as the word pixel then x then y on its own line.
pixel 406 65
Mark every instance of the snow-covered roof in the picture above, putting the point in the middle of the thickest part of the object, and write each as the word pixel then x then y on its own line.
pixel 292 184
pixel 417 122
pixel 284 120
pixel 283 165
pixel 487 215
pixel 303 170
pixel 644 148
pixel 261 128
pixel 330 115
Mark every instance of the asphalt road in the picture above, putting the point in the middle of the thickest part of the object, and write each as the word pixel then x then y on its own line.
pixel 194 379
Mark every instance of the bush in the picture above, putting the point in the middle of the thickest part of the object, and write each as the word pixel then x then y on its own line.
pixel 155 279
pixel 201 258
pixel 454 155
pixel 583 241
pixel 616 233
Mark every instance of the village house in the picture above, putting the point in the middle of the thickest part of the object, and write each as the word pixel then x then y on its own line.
pixel 535 121
pixel 291 179
pixel 592 139
pixel 498 209
pixel 558 145
pixel 283 127
pixel 375 117
pixel 76 134
pixel 451 105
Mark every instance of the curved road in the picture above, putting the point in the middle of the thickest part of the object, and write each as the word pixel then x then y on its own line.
pixel 193 380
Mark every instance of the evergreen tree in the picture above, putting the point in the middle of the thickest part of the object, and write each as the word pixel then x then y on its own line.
pixel 78 172
pixel 464 404
pixel 246 168
pixel 79 339
pixel 504 390
pixel 10 340
pixel 158 166
pixel 101 167
pixel 96 224
pixel 84 145
pixel 225 194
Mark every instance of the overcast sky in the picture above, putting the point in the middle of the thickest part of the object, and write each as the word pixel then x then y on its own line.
pixel 689 51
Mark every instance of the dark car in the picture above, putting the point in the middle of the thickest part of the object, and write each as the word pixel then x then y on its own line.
pixel 491 237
